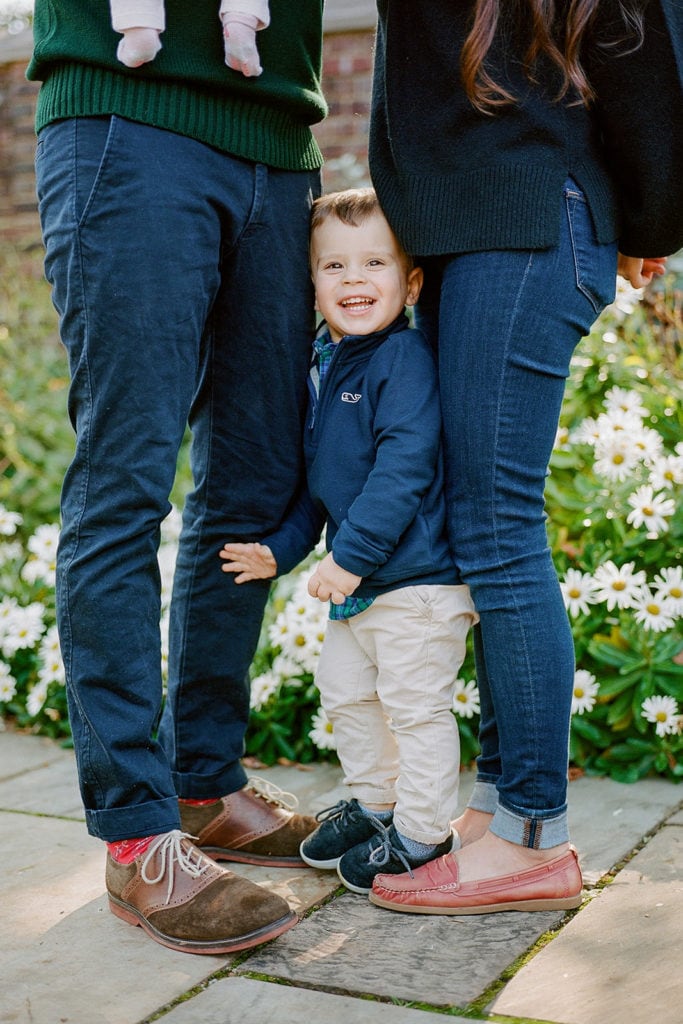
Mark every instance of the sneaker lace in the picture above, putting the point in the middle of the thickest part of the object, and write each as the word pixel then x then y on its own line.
pixel 339 815
pixel 383 853
pixel 273 794
pixel 171 852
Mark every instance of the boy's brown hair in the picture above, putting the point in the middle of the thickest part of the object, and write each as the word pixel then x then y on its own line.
pixel 351 206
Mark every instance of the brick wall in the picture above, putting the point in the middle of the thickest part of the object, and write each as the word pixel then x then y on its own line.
pixel 342 136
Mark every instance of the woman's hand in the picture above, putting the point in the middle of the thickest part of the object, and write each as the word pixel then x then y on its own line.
pixel 639 272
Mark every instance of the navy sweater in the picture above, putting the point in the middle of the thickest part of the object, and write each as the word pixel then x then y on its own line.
pixel 453 180
pixel 373 466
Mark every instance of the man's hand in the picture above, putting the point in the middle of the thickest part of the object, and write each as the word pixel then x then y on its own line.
pixel 249 561
pixel 330 582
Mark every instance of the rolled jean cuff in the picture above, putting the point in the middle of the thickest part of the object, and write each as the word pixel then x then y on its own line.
pixel 534 833
pixel 152 818
pixel 484 797
pixel 373 795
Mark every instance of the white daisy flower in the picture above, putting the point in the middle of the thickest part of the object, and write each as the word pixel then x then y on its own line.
pixel 562 438
pixel 585 692
pixel 666 471
pixel 617 586
pixel 10 551
pixel 166 558
pixel 650 510
pixel 663 711
pixel 321 731
pixel 587 432
pixel 262 689
pixel 466 698
pixel 43 543
pixel 619 421
pixel 625 400
pixel 578 591
pixel 24 627
pixel 51 657
pixel 668 586
pixel 9 522
pixel 651 613
pixel 171 527
pixel 648 444
pixel 287 669
pixel 36 698
pixel 8 684
pixel 615 457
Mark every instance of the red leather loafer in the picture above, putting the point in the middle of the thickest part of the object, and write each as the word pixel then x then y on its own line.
pixel 434 889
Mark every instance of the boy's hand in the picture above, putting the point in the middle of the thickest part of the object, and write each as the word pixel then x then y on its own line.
pixel 138 46
pixel 640 272
pixel 330 582
pixel 239 36
pixel 250 561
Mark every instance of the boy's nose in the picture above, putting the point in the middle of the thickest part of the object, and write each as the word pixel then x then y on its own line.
pixel 354 274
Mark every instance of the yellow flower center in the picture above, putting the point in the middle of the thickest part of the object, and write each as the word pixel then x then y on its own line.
pixel 648 510
pixel 676 592
pixel 653 609
pixel 462 698
pixel 300 641
pixel 575 592
pixel 661 716
pixel 578 692
pixel 617 459
pixel 618 585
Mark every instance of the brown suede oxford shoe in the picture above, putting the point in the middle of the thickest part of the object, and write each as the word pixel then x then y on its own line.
pixel 252 826
pixel 184 900
pixel 435 889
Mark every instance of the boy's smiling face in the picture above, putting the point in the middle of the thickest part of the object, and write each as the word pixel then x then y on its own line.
pixel 361 276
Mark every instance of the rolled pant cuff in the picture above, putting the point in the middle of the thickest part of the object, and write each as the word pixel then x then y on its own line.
pixel 429 837
pixel 535 833
pixel 191 786
pixel 484 797
pixel 368 795
pixel 134 821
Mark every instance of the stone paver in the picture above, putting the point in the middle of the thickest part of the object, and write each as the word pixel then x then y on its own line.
pixel 619 960
pixel 351 946
pixel 64 959
pixel 242 1001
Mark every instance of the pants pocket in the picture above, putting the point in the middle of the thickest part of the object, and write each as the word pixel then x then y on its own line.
pixel 595 265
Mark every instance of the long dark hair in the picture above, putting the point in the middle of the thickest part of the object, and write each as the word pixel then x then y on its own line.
pixel 557 38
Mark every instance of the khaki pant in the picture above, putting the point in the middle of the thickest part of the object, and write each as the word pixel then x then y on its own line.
pixel 386 679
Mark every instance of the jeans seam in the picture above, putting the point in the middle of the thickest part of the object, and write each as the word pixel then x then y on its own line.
pixel 509 581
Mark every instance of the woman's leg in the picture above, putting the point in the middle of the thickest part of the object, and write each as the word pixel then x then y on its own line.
pixel 509 324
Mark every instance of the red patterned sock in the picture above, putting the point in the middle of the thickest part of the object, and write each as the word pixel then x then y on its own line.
pixel 124 851
pixel 199 803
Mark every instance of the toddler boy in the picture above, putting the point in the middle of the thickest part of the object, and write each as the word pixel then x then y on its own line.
pixel 398 615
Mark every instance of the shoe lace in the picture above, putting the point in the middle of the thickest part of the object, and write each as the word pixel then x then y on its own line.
pixel 273 794
pixel 339 815
pixel 386 850
pixel 171 852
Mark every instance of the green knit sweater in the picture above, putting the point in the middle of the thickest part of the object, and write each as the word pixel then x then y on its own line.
pixel 188 88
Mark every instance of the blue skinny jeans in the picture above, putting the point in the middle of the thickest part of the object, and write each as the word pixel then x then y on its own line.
pixel 507 324
pixel 180 275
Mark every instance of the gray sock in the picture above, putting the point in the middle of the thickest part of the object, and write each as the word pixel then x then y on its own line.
pixel 415 849
pixel 382 815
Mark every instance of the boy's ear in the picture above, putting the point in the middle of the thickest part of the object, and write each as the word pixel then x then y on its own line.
pixel 415 280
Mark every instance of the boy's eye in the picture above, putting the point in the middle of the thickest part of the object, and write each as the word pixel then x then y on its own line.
pixel 375 263
pixel 333 265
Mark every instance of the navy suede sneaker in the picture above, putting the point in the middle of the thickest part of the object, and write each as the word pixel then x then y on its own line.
pixel 383 854
pixel 341 828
